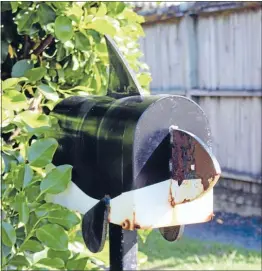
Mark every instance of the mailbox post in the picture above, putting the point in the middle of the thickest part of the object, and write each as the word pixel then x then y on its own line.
pixel 139 162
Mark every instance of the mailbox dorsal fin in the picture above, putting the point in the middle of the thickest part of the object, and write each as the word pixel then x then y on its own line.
pixel 122 80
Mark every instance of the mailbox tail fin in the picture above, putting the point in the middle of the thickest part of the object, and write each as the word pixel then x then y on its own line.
pixel 95 226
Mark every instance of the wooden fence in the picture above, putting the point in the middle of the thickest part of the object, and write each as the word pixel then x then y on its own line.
pixel 213 55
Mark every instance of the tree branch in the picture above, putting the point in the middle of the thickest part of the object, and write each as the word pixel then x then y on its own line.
pixel 47 41
pixel 26 47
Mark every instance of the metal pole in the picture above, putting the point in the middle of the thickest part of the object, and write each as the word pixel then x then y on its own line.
pixel 122 248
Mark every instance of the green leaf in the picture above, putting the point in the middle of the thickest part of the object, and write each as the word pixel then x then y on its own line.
pixel 120 7
pixel 19 260
pixel 28 175
pixel 63 28
pixel 65 218
pixel 132 16
pixel 60 5
pixel 74 12
pixel 57 180
pixel 7 117
pixel 102 10
pixel 45 208
pixel 32 119
pixel 94 34
pixel 31 222
pixel 53 236
pixel 48 92
pixel 61 52
pixel 8 234
pixel 97 78
pixel 21 206
pixel 41 152
pixel 2 164
pixel 5 250
pixel 144 234
pixel 36 74
pixel 23 211
pixel 75 63
pixel 103 26
pixel 12 82
pixel 18 177
pixel 15 100
pixel 78 264
pixel 21 67
pixel 81 42
pixel 32 245
pixel 20 233
pixel 32 192
pixel 45 14
pixel 116 8
pixel 14 6
pixel 64 255
pixel 25 20
pixel 144 79
pixel 51 262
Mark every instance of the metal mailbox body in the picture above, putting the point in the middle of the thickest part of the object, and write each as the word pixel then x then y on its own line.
pixel 121 148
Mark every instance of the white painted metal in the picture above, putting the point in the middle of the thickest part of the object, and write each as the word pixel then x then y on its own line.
pixel 147 207
pixel 73 198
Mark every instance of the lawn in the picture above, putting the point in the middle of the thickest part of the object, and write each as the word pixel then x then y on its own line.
pixel 188 254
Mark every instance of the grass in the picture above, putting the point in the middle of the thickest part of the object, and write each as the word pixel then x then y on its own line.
pixel 188 254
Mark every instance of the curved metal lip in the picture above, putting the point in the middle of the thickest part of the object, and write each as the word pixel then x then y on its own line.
pixel 165 96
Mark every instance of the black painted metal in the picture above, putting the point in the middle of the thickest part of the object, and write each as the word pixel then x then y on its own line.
pixel 95 226
pixel 123 248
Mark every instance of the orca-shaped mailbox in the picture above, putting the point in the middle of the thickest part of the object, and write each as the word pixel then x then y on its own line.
pixel 139 162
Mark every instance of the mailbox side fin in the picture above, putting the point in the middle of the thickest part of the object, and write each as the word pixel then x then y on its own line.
pixel 122 80
pixel 95 226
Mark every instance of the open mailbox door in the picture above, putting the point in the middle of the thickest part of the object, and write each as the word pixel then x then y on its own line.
pixel 138 161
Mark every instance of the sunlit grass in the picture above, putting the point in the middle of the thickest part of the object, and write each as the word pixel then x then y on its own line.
pixel 187 254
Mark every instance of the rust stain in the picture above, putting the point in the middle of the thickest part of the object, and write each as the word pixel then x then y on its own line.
pixel 210 217
pixel 190 160
pixel 137 226
pixel 171 198
pixel 134 225
pixel 146 227
pixel 204 166
pixel 126 224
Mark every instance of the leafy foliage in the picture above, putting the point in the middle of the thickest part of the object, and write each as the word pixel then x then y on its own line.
pixel 50 51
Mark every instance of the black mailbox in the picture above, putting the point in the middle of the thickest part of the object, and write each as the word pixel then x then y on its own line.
pixel 138 161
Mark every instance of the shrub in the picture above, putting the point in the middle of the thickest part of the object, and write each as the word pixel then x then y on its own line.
pixel 50 51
